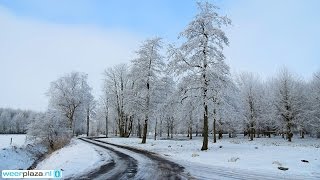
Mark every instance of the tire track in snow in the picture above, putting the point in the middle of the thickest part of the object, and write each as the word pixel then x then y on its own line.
pixel 122 166
pixel 150 165
pixel 162 168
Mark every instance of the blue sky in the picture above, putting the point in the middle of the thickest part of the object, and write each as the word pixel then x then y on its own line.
pixel 163 17
pixel 41 40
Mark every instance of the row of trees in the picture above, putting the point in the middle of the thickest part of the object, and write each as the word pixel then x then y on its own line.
pixel 282 104
pixel 147 87
pixel 14 121
pixel 194 92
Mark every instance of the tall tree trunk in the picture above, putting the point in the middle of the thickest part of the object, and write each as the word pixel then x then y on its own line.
pixel 205 129
pixel 126 129
pixel 171 126
pixel 145 129
pixel 214 126
pixel 251 132
pixel 220 134
pixel 160 128
pixel 88 121
pixel 190 123
pixel 168 130
pixel 73 128
pixel 197 129
pixel 139 129
pixel 205 132
pixel 145 126
pixel 106 125
pixel 155 130
pixel 188 132
pixel 289 133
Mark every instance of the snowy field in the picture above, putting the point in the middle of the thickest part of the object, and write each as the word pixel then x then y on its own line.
pixel 76 158
pixel 17 140
pixel 263 155
pixel 17 155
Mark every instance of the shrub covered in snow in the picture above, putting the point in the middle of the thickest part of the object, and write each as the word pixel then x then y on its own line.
pixel 50 129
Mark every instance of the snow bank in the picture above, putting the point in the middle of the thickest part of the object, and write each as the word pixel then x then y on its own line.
pixel 261 155
pixel 78 157
pixel 13 158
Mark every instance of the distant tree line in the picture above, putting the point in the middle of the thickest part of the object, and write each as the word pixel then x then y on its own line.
pixel 15 121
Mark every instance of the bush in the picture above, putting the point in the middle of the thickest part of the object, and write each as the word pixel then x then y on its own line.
pixel 51 130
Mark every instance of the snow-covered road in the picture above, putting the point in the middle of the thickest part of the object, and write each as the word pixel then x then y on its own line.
pixel 133 163
pixel 122 166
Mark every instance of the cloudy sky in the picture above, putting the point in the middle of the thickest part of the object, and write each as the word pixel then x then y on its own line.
pixel 41 40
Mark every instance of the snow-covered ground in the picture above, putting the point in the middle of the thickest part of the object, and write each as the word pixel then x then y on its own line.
pixel 263 155
pixel 17 140
pixel 18 155
pixel 76 158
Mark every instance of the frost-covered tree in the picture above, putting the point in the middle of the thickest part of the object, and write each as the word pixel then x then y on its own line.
pixel 190 112
pixel 218 83
pixel 225 106
pixel 5 121
pixel 165 91
pixel 15 121
pixel 50 128
pixel 147 67
pixel 251 95
pixel 104 110
pixel 314 104
pixel 188 95
pixel 202 50
pixel 18 121
pixel 288 101
pixel 89 106
pixel 116 87
pixel 67 95
pixel 229 113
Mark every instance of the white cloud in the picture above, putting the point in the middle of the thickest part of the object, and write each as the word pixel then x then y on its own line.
pixel 34 53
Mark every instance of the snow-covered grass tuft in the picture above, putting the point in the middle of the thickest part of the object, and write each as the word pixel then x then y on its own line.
pixel 233 159
pixel 194 155
pixel 277 163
